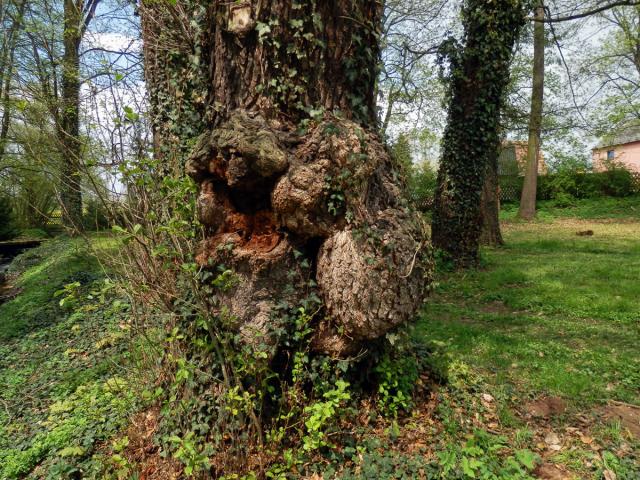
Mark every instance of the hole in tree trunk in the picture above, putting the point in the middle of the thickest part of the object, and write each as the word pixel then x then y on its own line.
pixel 248 214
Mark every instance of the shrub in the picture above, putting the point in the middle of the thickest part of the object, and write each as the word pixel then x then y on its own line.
pixel 563 200
pixel 421 178
pixel 422 185
pixel 618 181
pixel 566 185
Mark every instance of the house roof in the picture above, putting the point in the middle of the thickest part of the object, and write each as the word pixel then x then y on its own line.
pixel 627 135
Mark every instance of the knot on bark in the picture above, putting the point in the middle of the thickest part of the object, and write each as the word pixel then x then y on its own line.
pixel 331 193
pixel 371 279
pixel 242 147
pixel 326 185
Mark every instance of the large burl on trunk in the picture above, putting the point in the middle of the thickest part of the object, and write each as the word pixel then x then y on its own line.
pixel 287 160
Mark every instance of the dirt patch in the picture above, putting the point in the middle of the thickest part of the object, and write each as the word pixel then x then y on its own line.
pixel 549 471
pixel 8 292
pixel 545 407
pixel 496 307
pixel 144 454
pixel 627 415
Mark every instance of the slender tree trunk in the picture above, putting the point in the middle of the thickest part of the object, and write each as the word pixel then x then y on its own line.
pixel 479 77
pixel 288 158
pixel 490 205
pixel 527 210
pixel 6 73
pixel 68 128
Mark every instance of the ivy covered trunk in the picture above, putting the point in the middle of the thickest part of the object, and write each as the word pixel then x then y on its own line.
pixel 68 122
pixel 479 75
pixel 269 106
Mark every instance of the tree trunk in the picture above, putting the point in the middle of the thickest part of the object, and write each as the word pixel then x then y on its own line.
pixel 527 210
pixel 478 80
pixel 7 64
pixel 273 116
pixel 68 128
pixel 490 206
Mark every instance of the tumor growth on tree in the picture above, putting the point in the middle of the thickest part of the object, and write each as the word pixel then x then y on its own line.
pixel 277 128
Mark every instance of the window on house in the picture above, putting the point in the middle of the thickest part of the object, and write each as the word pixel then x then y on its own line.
pixel 611 155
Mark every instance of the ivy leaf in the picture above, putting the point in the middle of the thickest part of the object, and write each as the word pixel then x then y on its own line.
pixel 296 23
pixel 130 114
pixel 263 29
pixel 527 458
pixel 71 452
pixel 467 468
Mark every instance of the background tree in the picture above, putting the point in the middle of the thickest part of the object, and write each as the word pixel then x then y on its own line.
pixel 409 90
pixel 77 17
pixel 478 78
pixel 44 102
pixel 614 71
pixel 527 210
pixel 12 21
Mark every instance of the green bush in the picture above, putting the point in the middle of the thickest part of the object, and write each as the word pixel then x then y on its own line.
pixel 619 182
pixel 8 228
pixel 421 178
pixel 566 185
pixel 422 185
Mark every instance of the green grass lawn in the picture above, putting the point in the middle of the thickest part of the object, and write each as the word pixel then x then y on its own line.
pixel 551 314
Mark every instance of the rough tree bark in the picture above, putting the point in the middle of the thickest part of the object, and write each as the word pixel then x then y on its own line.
pixel 479 76
pixel 272 180
pixel 527 210
pixel 490 206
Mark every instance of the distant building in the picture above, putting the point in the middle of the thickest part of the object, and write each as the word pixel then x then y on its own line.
pixel 623 149
pixel 513 159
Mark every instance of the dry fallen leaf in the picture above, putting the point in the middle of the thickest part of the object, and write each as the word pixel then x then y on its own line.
pixel 552 439
pixel 586 439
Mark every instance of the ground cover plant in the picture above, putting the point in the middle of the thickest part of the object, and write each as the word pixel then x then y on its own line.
pixel 525 368
pixel 65 382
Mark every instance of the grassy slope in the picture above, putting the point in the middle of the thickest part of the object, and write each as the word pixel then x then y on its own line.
pixel 61 389
pixel 552 313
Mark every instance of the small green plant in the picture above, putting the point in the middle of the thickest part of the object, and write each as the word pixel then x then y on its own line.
pixel 322 413
pixel 483 456
pixel 69 293
pixel 191 453
pixel 396 381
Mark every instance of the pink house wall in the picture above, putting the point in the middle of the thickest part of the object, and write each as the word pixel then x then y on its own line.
pixel 627 154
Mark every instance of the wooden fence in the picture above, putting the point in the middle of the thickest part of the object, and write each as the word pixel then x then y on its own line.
pixel 55 219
